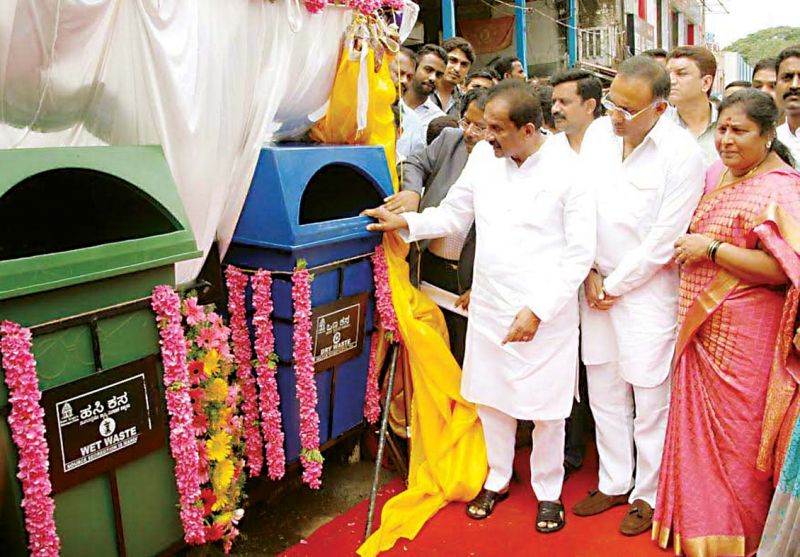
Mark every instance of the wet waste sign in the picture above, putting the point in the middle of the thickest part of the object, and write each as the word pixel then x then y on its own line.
pixel 103 421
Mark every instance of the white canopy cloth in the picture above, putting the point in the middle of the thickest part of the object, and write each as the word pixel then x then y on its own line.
pixel 209 80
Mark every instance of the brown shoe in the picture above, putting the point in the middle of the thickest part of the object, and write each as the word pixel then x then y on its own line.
pixel 639 519
pixel 597 502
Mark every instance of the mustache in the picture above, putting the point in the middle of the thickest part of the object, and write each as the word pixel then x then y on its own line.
pixel 791 93
pixel 558 116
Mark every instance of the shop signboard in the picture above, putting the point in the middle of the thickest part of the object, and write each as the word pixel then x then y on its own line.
pixel 102 421
pixel 338 331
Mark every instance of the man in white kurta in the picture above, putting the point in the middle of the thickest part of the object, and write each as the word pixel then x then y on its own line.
pixel 648 178
pixel 535 228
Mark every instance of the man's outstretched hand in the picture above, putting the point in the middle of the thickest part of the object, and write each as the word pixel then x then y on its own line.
pixel 387 221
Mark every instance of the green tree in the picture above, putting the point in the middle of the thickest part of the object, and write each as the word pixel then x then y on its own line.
pixel 765 43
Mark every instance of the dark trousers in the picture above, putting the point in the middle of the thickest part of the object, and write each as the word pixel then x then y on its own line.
pixel 579 424
pixel 444 274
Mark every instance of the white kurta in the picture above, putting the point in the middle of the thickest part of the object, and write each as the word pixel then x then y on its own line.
pixel 791 140
pixel 644 204
pixel 535 229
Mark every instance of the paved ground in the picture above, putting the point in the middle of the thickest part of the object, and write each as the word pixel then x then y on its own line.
pixel 284 513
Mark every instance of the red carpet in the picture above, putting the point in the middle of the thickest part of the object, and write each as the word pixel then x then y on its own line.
pixel 509 531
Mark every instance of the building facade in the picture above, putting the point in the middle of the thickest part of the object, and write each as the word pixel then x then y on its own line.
pixel 549 35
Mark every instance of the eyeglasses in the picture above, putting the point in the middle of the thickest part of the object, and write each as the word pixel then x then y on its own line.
pixel 465 125
pixel 609 105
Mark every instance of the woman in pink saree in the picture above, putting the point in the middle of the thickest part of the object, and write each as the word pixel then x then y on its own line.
pixel 734 376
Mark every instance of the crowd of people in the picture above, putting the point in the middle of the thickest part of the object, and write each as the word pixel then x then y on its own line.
pixel 658 244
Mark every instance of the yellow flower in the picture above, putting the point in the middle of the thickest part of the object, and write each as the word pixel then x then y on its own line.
pixel 217 390
pixel 220 503
pixel 219 446
pixel 211 362
pixel 222 476
pixel 223 418
pixel 223 518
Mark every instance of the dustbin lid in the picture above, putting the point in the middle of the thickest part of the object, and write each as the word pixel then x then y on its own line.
pixel 133 183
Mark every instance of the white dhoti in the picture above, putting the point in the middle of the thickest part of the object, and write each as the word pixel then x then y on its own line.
pixel 547 454
pixel 631 423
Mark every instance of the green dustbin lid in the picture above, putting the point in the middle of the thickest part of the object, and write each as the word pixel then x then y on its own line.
pixel 141 169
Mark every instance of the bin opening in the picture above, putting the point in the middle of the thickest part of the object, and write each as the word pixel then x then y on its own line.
pixel 72 208
pixel 337 191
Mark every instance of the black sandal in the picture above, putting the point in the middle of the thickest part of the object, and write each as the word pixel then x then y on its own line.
pixel 550 511
pixel 485 501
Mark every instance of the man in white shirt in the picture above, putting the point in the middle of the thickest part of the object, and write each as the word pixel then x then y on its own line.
pixel 787 93
pixel 431 60
pixel 575 105
pixel 648 174
pixel 692 70
pixel 535 228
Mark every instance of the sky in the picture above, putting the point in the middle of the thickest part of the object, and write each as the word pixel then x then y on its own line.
pixel 749 16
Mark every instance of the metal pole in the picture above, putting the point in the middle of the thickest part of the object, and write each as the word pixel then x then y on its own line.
pixel 448 19
pixel 572 33
pixel 520 33
pixel 382 439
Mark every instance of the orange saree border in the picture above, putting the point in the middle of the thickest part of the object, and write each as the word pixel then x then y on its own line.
pixel 720 287
pixel 782 405
pixel 705 546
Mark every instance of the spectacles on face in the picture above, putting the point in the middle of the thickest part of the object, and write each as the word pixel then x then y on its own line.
pixel 609 105
pixel 466 125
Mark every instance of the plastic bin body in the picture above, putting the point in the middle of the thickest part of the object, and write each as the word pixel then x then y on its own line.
pixel 289 185
pixel 48 285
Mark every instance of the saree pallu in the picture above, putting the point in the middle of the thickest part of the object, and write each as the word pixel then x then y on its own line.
pixel 732 362
pixel 782 531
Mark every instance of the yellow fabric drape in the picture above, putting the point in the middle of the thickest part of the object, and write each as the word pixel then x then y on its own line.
pixel 448 455
pixel 339 125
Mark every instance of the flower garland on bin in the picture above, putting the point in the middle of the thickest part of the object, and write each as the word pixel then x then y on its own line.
pixel 310 455
pixel 167 306
pixel 266 368
pixel 388 319
pixel 26 421
pixel 254 444
pixel 217 422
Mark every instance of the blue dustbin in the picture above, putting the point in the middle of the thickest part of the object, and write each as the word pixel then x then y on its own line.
pixel 304 203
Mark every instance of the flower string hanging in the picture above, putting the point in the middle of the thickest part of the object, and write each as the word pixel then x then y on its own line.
pixel 266 368
pixel 372 405
pixel 388 320
pixel 237 282
pixel 26 421
pixel 183 446
pixel 310 455
pixel 217 422
pixel 383 295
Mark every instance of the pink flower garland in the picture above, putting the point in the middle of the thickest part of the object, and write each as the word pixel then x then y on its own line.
pixel 383 295
pixel 304 374
pixel 269 399
pixel 183 447
pixel 366 7
pixel 372 405
pixel 315 6
pixel 236 282
pixel 27 430
pixel 388 319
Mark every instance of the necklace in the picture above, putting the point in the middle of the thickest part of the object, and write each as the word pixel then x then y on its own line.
pixel 742 178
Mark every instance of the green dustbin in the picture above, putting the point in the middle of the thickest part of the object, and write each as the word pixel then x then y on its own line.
pixel 85 235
